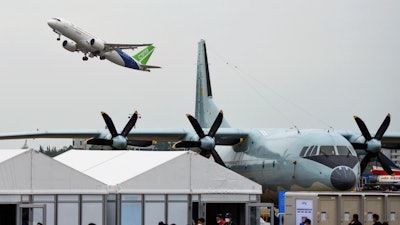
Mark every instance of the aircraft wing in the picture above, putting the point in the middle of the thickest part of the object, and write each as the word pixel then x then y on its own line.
pixel 52 134
pixel 171 135
pixel 109 46
pixel 389 140
pixel 174 135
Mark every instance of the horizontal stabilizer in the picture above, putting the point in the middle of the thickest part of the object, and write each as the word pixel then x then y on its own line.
pixel 152 67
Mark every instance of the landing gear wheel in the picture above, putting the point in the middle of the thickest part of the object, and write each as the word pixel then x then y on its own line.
pixel 102 57
pixel 85 58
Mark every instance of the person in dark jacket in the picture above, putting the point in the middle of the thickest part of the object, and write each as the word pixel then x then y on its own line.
pixel 355 220
pixel 375 218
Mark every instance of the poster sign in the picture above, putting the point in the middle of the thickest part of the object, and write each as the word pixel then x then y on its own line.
pixel 281 201
pixel 304 210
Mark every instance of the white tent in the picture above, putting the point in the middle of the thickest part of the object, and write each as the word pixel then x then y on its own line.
pixel 30 172
pixel 146 172
pixel 105 187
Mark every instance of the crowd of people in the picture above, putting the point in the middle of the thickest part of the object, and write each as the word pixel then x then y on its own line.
pixel 375 220
pixel 220 219
pixel 227 219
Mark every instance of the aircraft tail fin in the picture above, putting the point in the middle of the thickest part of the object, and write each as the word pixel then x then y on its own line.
pixel 144 55
pixel 206 110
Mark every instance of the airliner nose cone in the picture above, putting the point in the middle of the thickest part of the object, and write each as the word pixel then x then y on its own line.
pixel 51 22
pixel 343 178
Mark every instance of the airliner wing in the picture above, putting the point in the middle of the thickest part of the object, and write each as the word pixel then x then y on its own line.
pixel 110 47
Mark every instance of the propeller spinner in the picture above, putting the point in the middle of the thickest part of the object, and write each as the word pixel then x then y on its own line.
pixel 119 141
pixel 207 142
pixel 373 145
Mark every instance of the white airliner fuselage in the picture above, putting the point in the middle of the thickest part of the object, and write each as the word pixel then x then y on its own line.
pixel 92 46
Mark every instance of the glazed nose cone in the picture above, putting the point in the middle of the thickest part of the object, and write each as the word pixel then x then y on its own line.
pixel 343 178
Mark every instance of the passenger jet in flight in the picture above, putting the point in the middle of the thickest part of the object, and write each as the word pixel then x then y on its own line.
pixel 90 45
pixel 278 159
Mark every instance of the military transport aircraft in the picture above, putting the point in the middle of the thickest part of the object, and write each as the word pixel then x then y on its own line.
pixel 278 159
pixel 82 41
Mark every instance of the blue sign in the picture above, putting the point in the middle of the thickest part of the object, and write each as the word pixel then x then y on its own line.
pixel 281 201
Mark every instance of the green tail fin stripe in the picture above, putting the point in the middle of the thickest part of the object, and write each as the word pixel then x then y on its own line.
pixel 143 56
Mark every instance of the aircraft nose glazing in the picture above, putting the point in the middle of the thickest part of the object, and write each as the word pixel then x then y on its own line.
pixel 343 178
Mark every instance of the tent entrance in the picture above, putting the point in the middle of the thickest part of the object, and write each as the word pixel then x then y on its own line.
pixel 31 214
pixel 8 214
pixel 257 213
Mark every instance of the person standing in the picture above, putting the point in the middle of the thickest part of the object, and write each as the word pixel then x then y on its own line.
pixel 220 219
pixel 228 219
pixel 355 220
pixel 200 221
pixel 375 218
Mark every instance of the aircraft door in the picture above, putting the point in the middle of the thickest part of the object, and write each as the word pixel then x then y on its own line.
pixel 30 214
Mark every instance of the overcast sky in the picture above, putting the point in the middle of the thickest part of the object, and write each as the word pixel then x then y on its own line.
pixel 313 64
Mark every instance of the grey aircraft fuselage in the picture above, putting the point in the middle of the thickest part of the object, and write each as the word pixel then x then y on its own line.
pixel 294 160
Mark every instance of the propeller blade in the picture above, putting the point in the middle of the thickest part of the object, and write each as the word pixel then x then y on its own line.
pixel 216 124
pixel 140 143
pixel 99 141
pixel 365 161
pixel 390 162
pixel 131 123
pixel 187 144
pixel 217 158
pixel 363 128
pixel 196 126
pixel 359 145
pixel 385 162
pixel 382 129
pixel 110 124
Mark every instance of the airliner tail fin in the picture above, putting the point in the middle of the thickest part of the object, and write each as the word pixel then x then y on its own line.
pixel 144 55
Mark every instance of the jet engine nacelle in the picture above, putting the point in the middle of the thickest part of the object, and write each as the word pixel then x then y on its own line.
pixel 69 45
pixel 97 44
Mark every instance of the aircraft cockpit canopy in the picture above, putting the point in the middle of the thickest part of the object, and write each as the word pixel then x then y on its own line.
pixel 326 150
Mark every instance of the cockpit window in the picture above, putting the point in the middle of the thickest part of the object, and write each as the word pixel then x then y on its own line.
pixel 57 19
pixel 327 150
pixel 309 151
pixel 303 151
pixel 314 151
pixel 343 150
